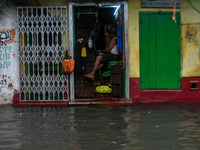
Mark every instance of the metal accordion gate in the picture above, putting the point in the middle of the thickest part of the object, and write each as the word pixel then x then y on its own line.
pixel 42 46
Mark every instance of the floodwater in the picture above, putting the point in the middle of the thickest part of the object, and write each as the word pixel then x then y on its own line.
pixel 138 127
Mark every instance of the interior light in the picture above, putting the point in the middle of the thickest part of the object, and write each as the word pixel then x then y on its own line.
pixel 116 10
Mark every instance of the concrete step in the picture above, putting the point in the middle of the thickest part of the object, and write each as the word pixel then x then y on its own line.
pixel 101 101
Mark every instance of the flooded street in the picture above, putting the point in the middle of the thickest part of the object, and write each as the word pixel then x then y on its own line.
pixel 140 127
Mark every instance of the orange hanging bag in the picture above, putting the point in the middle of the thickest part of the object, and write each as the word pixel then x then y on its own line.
pixel 68 64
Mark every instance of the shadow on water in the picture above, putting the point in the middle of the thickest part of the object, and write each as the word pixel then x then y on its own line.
pixel 141 127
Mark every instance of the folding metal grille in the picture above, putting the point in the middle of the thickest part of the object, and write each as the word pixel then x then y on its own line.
pixel 42 45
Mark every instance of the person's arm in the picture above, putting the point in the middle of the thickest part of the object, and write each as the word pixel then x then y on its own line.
pixel 113 42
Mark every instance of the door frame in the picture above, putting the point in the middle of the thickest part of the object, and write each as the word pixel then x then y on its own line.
pixel 72 44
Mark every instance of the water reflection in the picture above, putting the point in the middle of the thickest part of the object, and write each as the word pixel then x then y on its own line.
pixel 162 126
pixel 190 128
pixel 101 128
pixel 10 128
pixel 141 127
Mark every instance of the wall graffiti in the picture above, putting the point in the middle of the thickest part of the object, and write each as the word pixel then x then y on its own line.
pixel 6 37
pixel 5 53
pixel 8 51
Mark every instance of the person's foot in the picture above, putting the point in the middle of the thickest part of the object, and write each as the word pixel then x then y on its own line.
pixel 89 76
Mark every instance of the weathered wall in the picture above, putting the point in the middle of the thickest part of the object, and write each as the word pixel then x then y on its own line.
pixel 53 2
pixel 9 57
pixel 190 35
pixel 134 7
pixel 9 47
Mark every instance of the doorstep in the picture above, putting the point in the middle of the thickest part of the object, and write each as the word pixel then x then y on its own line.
pixel 42 104
pixel 101 101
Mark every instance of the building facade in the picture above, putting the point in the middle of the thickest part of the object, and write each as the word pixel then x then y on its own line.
pixel 169 73
pixel 160 53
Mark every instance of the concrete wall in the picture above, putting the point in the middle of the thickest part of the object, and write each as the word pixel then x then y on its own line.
pixel 9 56
pixel 190 36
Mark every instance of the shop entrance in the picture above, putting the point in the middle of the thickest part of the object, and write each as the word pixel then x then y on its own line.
pixel 91 23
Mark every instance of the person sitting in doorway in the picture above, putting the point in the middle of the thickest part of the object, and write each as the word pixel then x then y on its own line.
pixel 106 55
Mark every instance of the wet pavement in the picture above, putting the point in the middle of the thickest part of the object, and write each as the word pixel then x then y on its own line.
pixel 138 127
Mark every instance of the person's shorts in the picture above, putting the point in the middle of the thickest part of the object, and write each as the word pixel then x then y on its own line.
pixel 109 57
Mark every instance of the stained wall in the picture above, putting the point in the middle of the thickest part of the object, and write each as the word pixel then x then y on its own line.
pixel 9 57
pixel 190 38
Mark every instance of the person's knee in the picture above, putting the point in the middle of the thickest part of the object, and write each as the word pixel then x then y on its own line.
pixel 99 58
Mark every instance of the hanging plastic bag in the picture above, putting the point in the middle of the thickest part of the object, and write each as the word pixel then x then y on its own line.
pixel 90 42
pixel 68 64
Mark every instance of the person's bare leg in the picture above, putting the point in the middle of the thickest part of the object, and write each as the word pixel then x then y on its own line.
pixel 96 66
pixel 101 65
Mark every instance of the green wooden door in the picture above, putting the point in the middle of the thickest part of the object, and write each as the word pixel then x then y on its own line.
pixel 159 51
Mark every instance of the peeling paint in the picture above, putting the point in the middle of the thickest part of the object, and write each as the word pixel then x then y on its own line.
pixel 191 49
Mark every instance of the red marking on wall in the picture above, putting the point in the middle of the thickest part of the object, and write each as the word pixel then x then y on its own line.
pixel 13 55
pixel 185 94
pixel 10 85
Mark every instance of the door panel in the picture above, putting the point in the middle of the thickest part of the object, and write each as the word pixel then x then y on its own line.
pixel 159 51
pixel 148 51
pixel 144 53
pixel 153 52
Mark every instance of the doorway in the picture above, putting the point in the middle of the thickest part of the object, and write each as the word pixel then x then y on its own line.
pixel 89 24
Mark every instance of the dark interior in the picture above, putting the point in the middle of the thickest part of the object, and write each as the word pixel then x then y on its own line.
pixel 93 22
